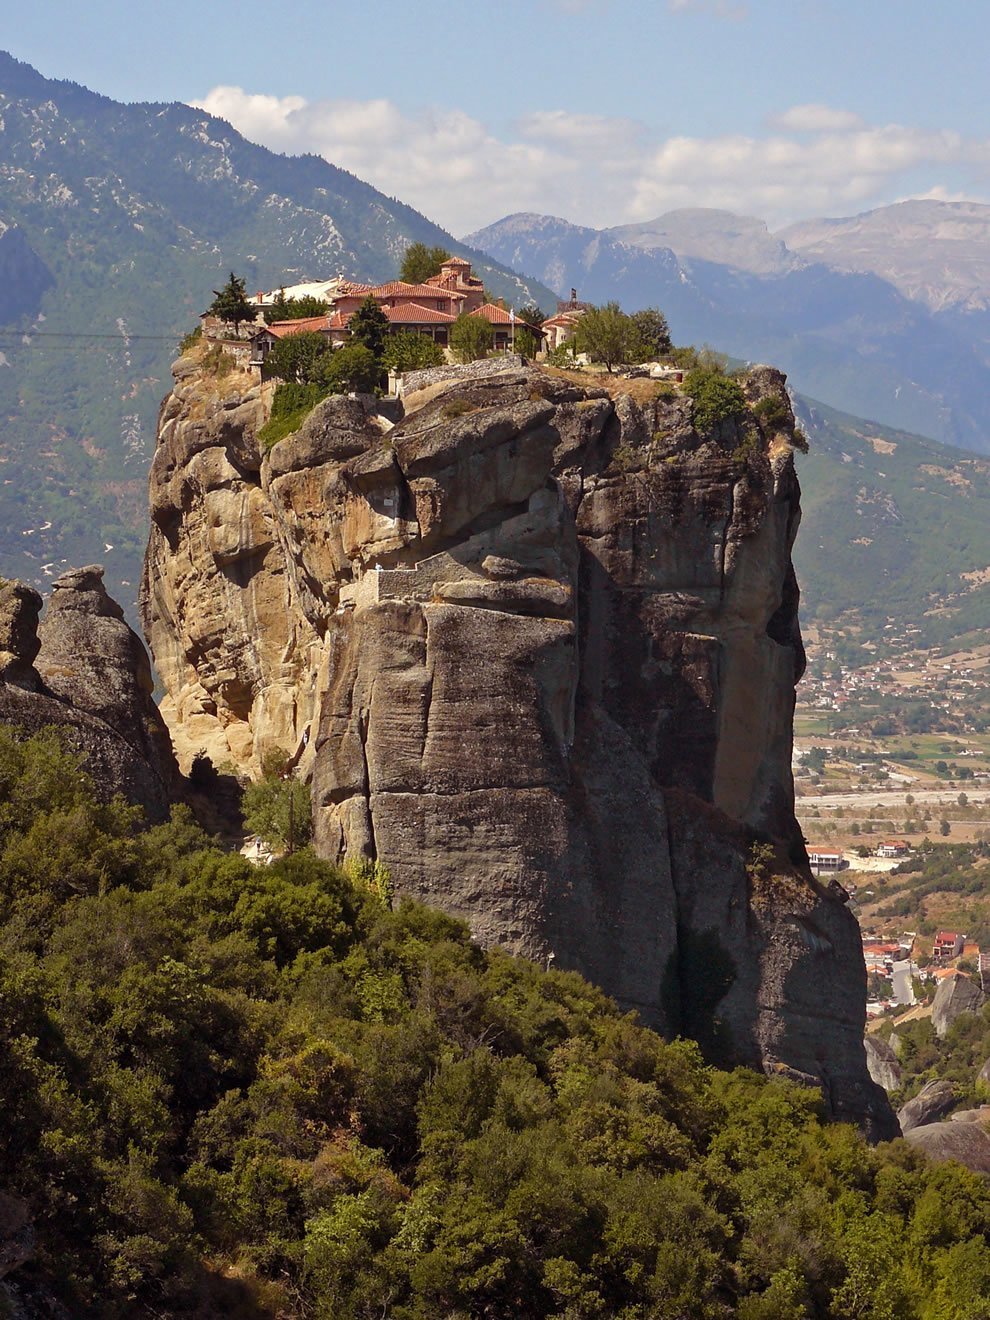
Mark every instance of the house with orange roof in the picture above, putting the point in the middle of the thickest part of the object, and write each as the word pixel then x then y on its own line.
pixel 502 322
pixel 948 944
pixel 456 277
pixel 562 326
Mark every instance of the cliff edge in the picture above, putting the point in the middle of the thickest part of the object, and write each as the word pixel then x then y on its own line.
pixel 536 645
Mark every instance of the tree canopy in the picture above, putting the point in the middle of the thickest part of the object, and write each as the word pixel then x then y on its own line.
pixel 407 351
pixel 420 263
pixel 239 1090
pixel 653 333
pixel 231 303
pixel 608 335
pixel 293 309
pixel 369 326
pixel 471 337
pixel 301 357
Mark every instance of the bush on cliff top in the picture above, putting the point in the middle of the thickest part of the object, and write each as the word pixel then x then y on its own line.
pixel 230 1090
pixel 717 397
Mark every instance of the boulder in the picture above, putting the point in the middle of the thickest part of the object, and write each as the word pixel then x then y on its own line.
pixel 934 1100
pixel 85 673
pixel 882 1063
pixel 967 1143
pixel 955 995
pixel 20 606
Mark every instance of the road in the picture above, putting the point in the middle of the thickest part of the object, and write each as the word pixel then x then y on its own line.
pixel 901 980
pixel 885 798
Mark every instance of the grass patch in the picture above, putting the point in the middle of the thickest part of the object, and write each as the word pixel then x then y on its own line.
pixel 191 340
pixel 291 405
pixel 218 363
pixel 458 408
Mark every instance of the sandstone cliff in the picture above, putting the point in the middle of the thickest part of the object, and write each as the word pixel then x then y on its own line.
pixel 537 646
pixel 86 673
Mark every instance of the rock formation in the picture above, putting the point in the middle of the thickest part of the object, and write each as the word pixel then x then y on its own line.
pixel 964 1138
pixel 86 673
pixel 955 995
pixel 881 1060
pixel 537 647
pixel 932 1102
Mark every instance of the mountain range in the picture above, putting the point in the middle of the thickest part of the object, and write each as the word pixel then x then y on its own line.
pixel 885 315
pixel 116 221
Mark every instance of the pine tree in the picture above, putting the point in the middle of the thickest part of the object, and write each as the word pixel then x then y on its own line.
pixel 369 326
pixel 231 302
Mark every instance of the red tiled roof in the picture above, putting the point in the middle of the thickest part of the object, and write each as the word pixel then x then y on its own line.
pixel 399 289
pixel 282 328
pixel 350 287
pixel 492 313
pixel 457 261
pixel 563 318
pixel 944 936
pixel 413 314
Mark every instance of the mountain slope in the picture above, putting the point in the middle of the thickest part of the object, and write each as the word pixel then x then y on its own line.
pixel 937 253
pixel 116 222
pixel 894 528
pixel 847 336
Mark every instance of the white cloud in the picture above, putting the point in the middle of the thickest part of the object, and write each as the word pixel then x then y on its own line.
pixel 815 118
pixel 600 170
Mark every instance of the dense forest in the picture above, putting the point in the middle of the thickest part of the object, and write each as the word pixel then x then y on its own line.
pixel 255 1091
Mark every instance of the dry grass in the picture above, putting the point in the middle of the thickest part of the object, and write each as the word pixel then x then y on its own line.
pixel 642 389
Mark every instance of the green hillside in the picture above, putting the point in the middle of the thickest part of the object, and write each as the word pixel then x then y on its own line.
pixel 891 525
pixel 262 1092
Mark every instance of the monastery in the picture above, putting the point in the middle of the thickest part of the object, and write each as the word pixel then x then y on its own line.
pixel 428 309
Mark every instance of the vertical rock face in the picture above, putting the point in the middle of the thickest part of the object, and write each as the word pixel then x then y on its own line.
pixel 86 673
pixel 541 646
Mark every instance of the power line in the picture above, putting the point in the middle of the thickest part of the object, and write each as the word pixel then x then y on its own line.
pixel 24 337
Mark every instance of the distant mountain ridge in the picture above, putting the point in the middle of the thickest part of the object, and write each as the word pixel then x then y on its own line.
pixel 937 253
pixel 889 342
pixel 116 221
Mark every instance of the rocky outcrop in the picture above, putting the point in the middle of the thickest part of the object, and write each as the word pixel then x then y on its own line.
pixel 932 1102
pixel 881 1060
pixel 537 646
pixel 967 1141
pixel 955 995
pixel 86 673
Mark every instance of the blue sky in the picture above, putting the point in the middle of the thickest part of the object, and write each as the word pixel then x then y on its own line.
pixel 604 111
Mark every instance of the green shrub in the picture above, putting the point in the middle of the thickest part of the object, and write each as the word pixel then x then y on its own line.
pixel 717 397
pixel 299 357
pixel 294 309
pixel 218 363
pixel 773 413
pixel 458 408
pixel 291 405
pixel 411 352
pixel 191 339
pixel 471 337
